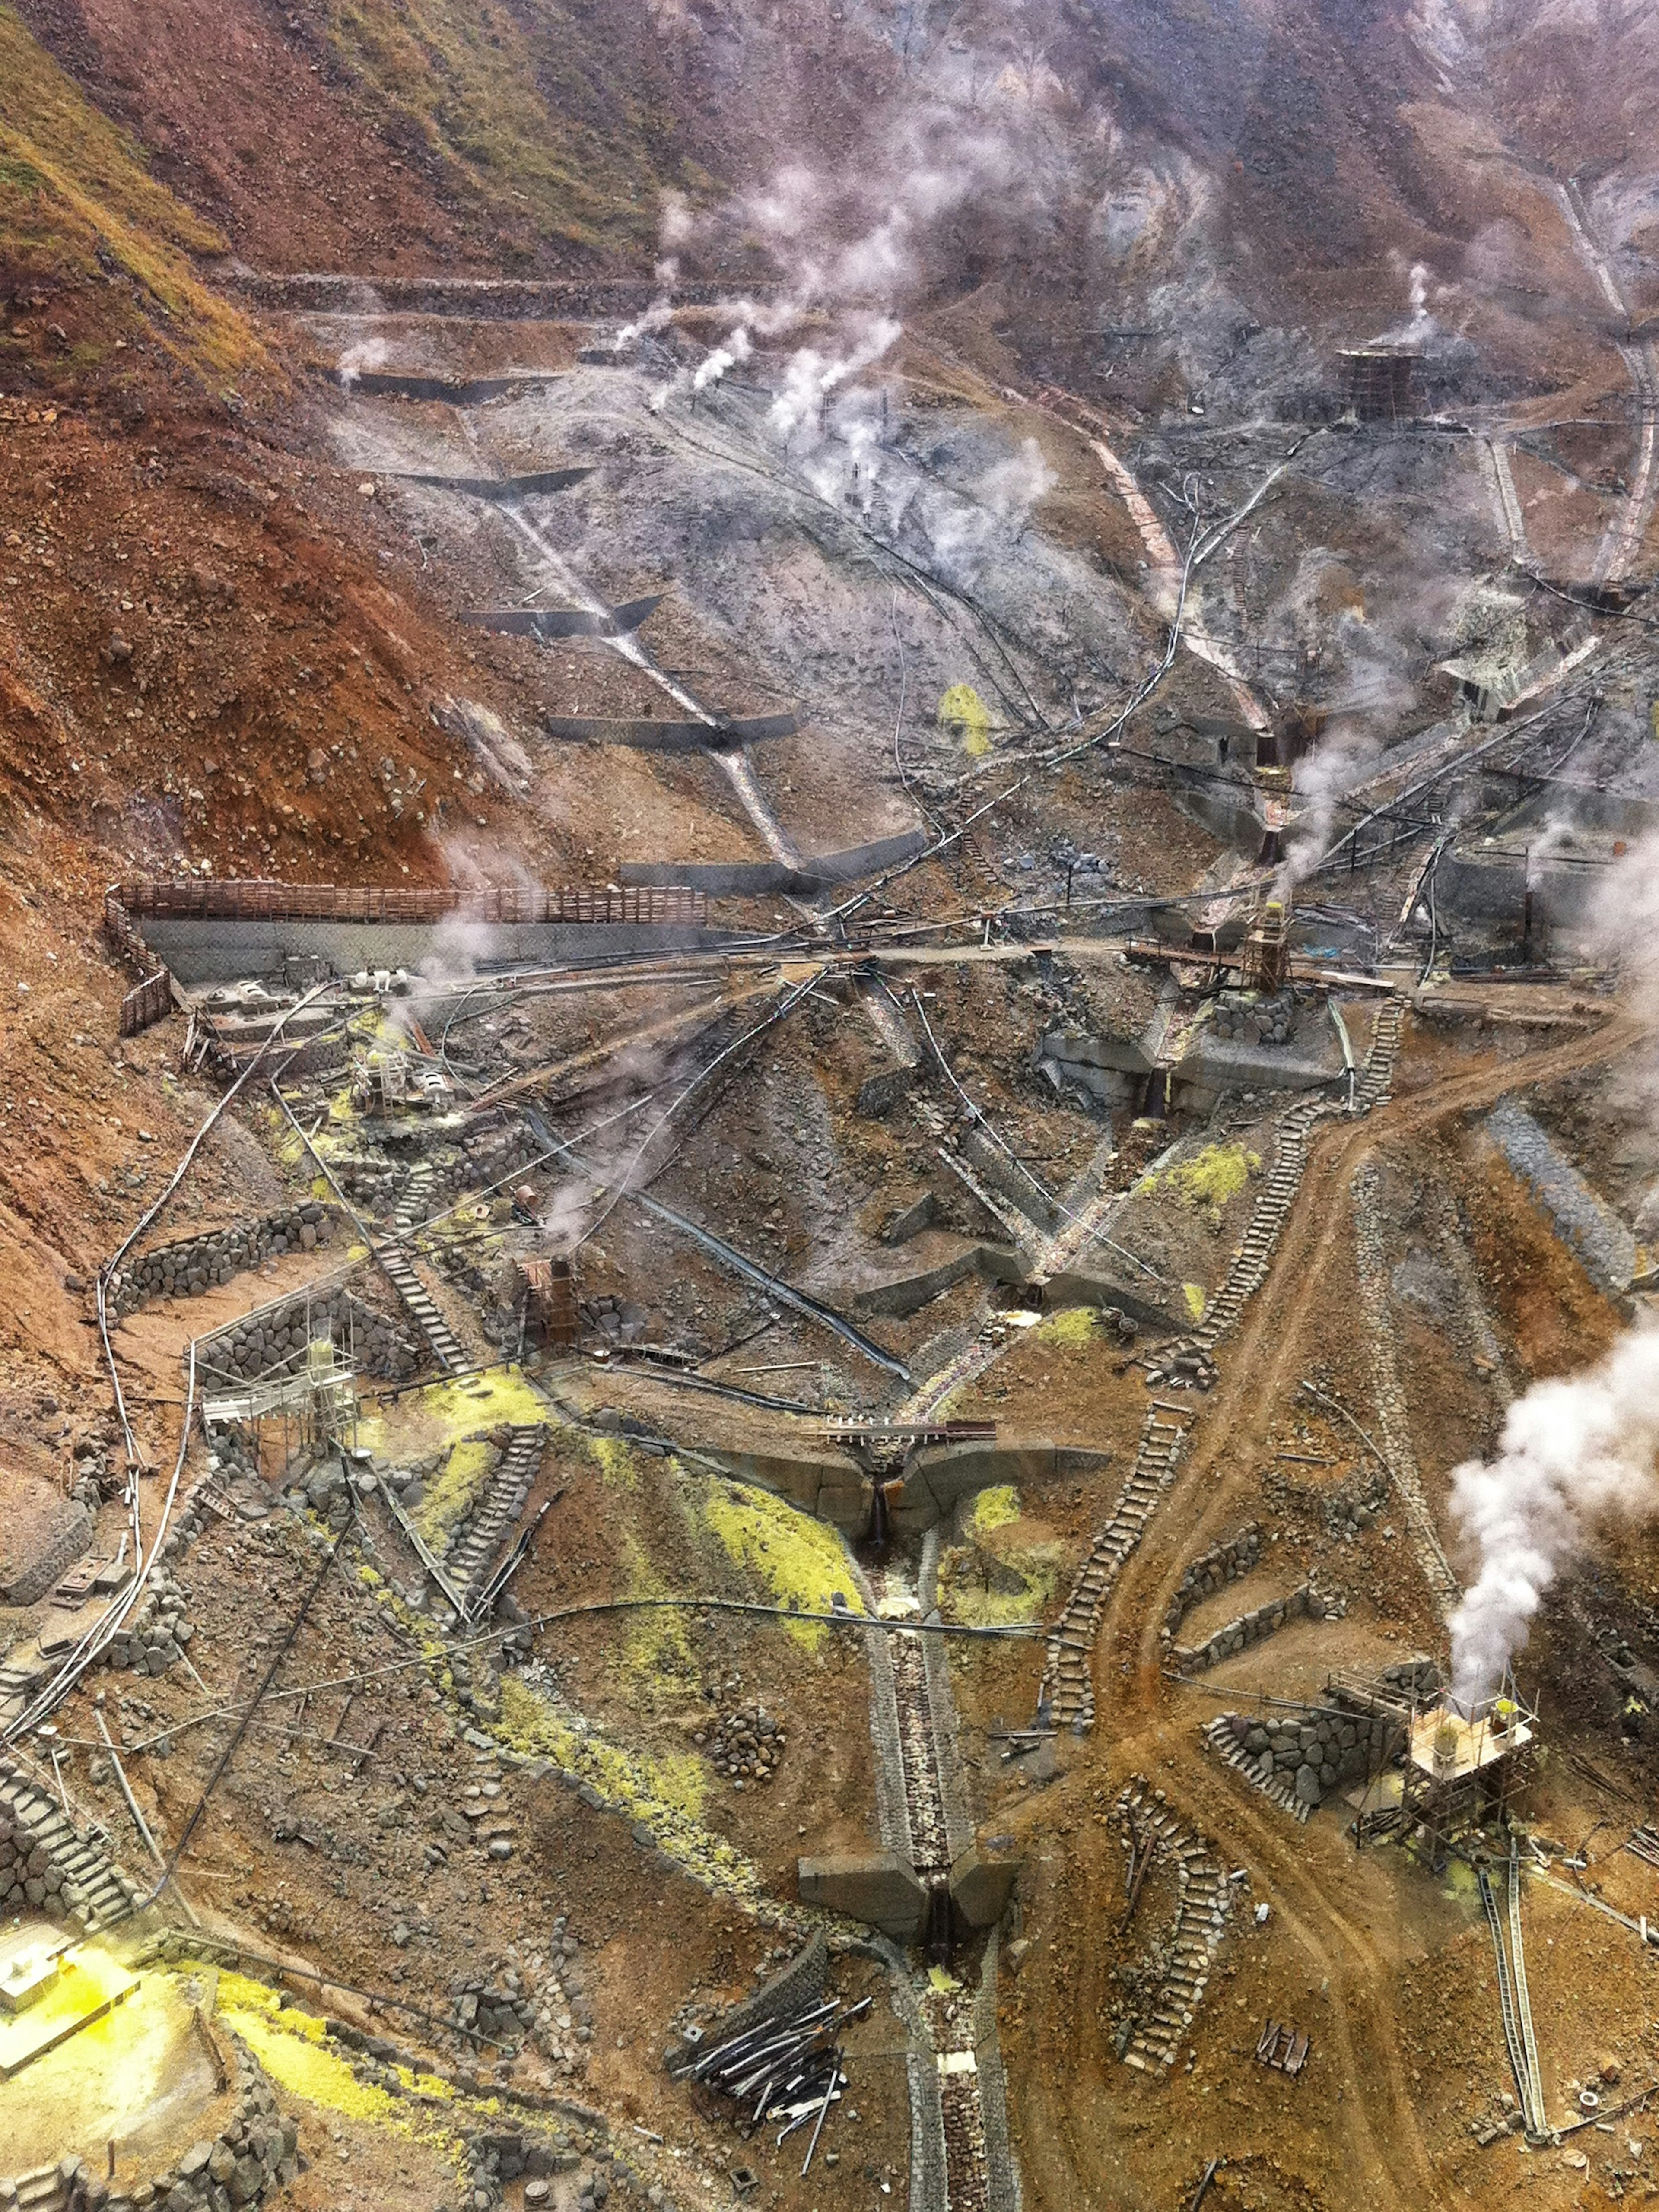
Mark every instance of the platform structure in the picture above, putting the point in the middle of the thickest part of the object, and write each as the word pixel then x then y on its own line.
pixel 52 1986
pixel 311 1407
pixel 1464 1770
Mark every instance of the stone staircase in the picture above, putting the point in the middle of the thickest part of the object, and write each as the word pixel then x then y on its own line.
pixel 422 1309
pixel 45 2190
pixel 1068 1690
pixel 19 1678
pixel 1376 1083
pixel 1200 1923
pixel 1250 1263
pixel 93 1892
pixel 1258 1770
pixel 479 1538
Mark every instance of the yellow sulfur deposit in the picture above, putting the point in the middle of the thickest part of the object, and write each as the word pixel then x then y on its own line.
pixel 616 1462
pixel 662 1793
pixel 1073 1328
pixel 656 1649
pixel 965 716
pixel 451 1493
pixel 800 1561
pixel 993 1508
pixel 427 1421
pixel 289 2046
pixel 1210 1178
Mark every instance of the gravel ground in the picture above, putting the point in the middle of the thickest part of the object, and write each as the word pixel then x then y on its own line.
pixel 1583 1220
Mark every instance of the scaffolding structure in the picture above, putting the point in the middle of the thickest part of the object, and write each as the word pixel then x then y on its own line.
pixel 1462 1770
pixel 550 1315
pixel 313 1406
pixel 1266 952
pixel 1376 382
pixel 307 1399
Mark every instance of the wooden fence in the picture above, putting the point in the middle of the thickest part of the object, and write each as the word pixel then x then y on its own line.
pixel 150 1002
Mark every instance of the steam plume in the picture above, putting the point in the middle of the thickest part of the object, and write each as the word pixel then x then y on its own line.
pixel 1578 1447
pixel 367 354
pixel 1572 1449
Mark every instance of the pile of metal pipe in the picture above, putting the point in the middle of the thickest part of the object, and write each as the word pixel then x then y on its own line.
pixel 787 2069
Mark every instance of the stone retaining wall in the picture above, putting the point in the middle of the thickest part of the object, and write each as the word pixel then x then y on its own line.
pixel 201 1263
pixel 155 1634
pixel 276 1336
pixel 32 1581
pixel 1303 1602
pixel 1213 1570
pixel 1317 1749
pixel 255 2153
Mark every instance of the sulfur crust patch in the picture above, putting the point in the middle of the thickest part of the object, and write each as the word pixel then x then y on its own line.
pixel 798 1558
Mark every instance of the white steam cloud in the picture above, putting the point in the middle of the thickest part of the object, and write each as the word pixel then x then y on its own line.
pixel 850 250
pixel 1421 325
pixel 367 354
pixel 660 313
pixel 1575 1448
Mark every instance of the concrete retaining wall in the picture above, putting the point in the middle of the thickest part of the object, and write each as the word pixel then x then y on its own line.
pixel 906 1294
pixel 203 950
pixel 828 1484
pixel 1492 887
pixel 754 878
pixel 939 1476
pixel 878 1887
pixel 903 1295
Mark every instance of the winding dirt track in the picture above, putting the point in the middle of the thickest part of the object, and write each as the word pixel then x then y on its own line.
pixel 1319 1888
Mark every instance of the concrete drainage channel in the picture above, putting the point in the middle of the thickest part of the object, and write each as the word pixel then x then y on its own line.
pixel 960 2157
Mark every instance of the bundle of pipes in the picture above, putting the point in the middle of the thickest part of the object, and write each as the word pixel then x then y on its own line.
pixel 787 2069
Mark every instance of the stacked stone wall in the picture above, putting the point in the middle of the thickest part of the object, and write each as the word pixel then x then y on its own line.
pixel 1316 1749
pixel 201 1263
pixel 1213 1570
pixel 276 1337
pixel 31 1582
pixel 253 2154
pixel 1305 1602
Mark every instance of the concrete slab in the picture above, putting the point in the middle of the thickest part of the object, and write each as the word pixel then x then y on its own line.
pixel 875 1886
pixel 980 1887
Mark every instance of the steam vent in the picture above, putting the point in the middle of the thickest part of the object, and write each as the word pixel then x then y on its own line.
pixel 828 1163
